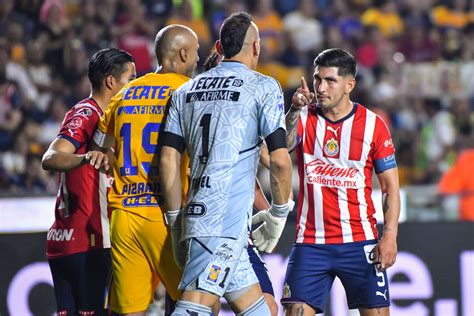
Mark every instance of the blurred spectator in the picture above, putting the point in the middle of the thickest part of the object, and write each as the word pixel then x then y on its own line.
pixel 133 31
pixel 270 27
pixel 54 30
pixel 49 129
pixel 15 72
pixel 10 114
pixel 417 46
pixel 384 15
pixel 40 73
pixel 184 15
pixel 437 141
pixel 451 14
pixel 222 12
pixel 304 31
pixel 458 180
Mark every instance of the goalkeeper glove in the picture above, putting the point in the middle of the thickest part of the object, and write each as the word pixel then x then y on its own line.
pixel 266 236
pixel 173 220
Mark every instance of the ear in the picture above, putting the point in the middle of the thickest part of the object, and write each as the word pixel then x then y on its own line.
pixel 256 48
pixel 109 82
pixel 350 85
pixel 183 55
pixel 219 49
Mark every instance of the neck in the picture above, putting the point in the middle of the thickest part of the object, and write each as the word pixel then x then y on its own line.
pixel 168 67
pixel 339 111
pixel 102 98
pixel 241 59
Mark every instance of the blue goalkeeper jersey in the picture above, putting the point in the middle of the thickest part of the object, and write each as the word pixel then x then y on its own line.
pixel 223 115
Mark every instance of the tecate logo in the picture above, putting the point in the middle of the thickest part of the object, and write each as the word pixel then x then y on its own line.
pixel 60 234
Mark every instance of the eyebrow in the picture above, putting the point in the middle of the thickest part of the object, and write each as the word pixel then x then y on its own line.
pixel 316 76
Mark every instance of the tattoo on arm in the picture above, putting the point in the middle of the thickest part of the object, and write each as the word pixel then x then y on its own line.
pixel 299 310
pixel 291 120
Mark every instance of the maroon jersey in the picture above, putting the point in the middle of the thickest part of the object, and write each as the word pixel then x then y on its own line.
pixel 336 161
pixel 81 216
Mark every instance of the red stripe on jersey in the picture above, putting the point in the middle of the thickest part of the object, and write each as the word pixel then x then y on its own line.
pixel 310 138
pixel 368 193
pixel 331 215
pixel 309 235
pixel 300 163
pixel 354 213
pixel 357 133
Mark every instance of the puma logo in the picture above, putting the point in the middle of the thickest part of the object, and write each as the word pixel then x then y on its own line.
pixel 384 294
pixel 333 130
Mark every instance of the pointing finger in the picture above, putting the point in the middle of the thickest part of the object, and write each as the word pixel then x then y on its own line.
pixel 304 84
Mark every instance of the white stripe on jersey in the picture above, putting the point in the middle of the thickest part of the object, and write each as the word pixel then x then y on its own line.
pixel 104 184
pixel 318 202
pixel 368 136
pixel 345 216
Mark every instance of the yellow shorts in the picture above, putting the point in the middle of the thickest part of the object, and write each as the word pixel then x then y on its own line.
pixel 141 256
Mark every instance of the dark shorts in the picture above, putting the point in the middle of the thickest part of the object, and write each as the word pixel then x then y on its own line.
pixel 80 282
pixel 260 270
pixel 312 269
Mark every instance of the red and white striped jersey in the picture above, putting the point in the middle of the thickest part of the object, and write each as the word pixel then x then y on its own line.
pixel 335 165
pixel 81 215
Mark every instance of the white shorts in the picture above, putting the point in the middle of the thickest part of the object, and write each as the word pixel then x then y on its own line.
pixel 218 265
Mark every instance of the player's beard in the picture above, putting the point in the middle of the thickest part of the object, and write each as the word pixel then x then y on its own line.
pixel 330 105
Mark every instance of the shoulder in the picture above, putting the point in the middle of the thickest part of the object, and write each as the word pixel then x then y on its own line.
pixel 85 109
pixel 266 84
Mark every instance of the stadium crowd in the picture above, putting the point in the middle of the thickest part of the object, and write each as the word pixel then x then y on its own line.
pixel 415 66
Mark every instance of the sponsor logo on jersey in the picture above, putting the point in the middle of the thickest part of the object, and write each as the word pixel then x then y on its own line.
pixel 141 109
pixel 326 174
pixel 84 112
pixel 214 274
pixel 60 234
pixel 320 167
pixel 141 200
pixel 226 95
pixel 208 83
pixel 388 143
pixel 147 92
pixel 384 294
pixel 75 123
pixel 331 148
pixel 195 209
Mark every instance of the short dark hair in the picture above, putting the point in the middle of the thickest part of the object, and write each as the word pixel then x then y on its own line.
pixel 233 31
pixel 106 62
pixel 336 57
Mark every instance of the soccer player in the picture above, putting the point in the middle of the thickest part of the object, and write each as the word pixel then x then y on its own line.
pixel 78 246
pixel 141 250
pixel 339 143
pixel 219 117
pixel 260 203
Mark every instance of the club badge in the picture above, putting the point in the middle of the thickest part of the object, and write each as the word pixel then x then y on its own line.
pixel 331 148
pixel 214 274
pixel 286 291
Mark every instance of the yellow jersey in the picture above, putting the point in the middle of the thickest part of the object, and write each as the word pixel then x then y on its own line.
pixel 134 119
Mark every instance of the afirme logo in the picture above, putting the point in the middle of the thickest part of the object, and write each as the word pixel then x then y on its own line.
pixel 60 234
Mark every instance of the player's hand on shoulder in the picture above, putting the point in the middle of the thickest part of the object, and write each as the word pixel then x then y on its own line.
pixel 98 160
pixel 273 222
pixel 302 96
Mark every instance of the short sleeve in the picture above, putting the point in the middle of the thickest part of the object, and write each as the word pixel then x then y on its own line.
pixel 79 125
pixel 106 123
pixel 173 124
pixel 272 109
pixel 383 149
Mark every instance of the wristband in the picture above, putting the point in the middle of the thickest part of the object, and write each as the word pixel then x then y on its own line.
pixel 280 210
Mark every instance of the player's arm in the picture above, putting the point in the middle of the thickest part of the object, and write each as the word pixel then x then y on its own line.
pixel 170 161
pixel 61 156
pixel 302 97
pixel 387 249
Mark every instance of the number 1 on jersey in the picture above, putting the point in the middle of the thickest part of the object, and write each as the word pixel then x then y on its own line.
pixel 205 123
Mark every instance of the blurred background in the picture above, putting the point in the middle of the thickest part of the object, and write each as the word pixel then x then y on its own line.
pixel 415 70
